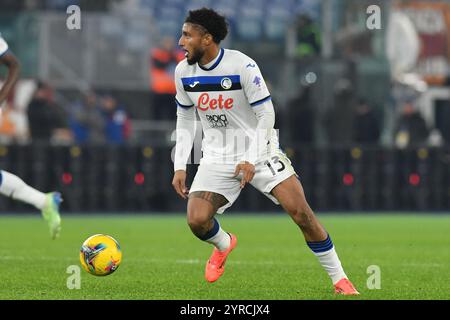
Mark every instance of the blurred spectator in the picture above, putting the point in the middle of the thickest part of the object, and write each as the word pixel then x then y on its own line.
pixel 338 120
pixel 13 117
pixel 47 120
pixel 87 121
pixel 117 122
pixel 410 129
pixel 13 124
pixel 163 61
pixel 7 126
pixel 442 118
pixel 307 37
pixel 301 118
pixel 366 126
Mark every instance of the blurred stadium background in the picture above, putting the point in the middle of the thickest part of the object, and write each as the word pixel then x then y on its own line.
pixel 363 114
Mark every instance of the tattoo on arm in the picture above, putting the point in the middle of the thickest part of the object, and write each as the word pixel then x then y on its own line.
pixel 217 200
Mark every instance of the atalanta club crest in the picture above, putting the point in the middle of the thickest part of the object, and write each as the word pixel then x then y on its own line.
pixel 226 83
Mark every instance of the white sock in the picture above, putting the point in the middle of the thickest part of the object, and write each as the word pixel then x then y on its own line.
pixel 14 187
pixel 219 238
pixel 324 251
pixel 332 265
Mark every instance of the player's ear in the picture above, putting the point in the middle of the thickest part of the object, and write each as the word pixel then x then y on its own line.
pixel 207 39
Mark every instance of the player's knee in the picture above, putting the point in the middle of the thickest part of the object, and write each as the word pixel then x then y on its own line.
pixel 195 223
pixel 198 222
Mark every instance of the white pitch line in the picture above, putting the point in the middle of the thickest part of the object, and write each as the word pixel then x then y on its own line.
pixel 198 261
pixel 178 261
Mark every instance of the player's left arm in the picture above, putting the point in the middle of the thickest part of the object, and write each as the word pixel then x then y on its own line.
pixel 12 63
pixel 259 99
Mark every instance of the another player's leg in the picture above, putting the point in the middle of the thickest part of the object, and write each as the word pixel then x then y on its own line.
pixel 202 206
pixel 48 203
pixel 291 196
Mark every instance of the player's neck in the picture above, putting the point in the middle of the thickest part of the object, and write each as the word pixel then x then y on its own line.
pixel 210 55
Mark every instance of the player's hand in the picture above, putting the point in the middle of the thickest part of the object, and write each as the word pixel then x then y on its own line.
pixel 179 183
pixel 248 172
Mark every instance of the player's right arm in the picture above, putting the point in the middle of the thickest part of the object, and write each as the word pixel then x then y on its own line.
pixel 11 62
pixel 185 132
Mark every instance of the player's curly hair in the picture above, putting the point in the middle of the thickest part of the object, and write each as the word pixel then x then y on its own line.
pixel 214 23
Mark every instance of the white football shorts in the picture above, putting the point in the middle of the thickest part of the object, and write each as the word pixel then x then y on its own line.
pixel 219 178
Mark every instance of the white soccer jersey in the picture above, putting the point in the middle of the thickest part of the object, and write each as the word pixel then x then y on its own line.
pixel 224 96
pixel 3 46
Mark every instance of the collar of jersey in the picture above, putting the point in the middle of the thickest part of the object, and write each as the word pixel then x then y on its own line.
pixel 222 51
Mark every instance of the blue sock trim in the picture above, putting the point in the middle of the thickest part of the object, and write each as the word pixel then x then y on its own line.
pixel 1 177
pixel 321 246
pixel 211 233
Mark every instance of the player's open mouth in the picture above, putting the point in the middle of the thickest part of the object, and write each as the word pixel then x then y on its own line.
pixel 186 53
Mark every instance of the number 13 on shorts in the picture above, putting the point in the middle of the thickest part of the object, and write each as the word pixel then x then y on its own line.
pixel 277 164
pixel 271 172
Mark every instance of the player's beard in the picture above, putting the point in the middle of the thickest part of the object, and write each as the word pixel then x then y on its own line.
pixel 197 55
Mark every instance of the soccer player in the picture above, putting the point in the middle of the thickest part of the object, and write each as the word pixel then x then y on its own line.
pixel 227 91
pixel 11 185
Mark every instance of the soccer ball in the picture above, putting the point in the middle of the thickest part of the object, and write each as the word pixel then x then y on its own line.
pixel 100 255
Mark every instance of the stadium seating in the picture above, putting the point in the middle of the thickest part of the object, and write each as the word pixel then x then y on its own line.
pixel 249 20
pixel 277 21
pixel 60 4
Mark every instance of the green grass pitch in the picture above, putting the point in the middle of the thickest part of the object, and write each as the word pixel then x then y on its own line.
pixel 162 260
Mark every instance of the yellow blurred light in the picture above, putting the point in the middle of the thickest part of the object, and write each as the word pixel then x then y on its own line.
pixel 75 152
pixel 3 151
pixel 356 153
pixel 147 152
pixel 290 152
pixel 422 153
